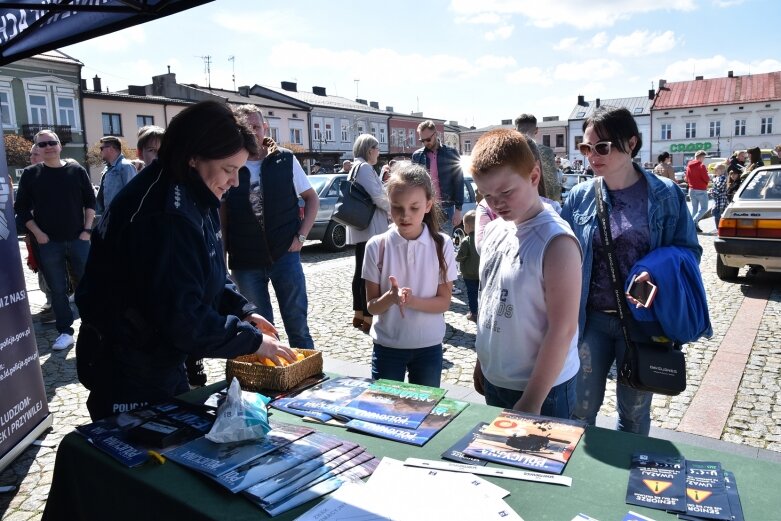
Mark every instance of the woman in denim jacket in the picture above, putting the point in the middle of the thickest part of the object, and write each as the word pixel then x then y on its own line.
pixel 646 212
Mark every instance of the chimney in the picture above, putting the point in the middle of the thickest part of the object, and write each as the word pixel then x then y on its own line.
pixel 388 108
pixel 651 94
pixel 318 91
pixel 453 123
pixel 83 82
pixel 550 118
pixel 507 122
pixel 696 78
pixel 582 101
pixel 361 101
pixel 96 84
pixel 730 74
pixel 596 103
pixel 244 91
pixel 374 104
pixel 136 90
pixel 289 86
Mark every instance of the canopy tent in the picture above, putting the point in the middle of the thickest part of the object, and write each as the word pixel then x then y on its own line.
pixel 29 27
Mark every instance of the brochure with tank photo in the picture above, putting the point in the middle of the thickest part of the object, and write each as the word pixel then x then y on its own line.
pixel 328 398
pixel 524 440
pixel 310 447
pixel 215 459
pixel 399 404
pixel 456 452
pixel 657 481
pixel 442 414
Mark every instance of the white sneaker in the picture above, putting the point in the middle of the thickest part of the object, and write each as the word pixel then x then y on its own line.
pixel 64 341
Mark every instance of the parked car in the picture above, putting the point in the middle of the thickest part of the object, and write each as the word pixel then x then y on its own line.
pixel 331 233
pixel 750 228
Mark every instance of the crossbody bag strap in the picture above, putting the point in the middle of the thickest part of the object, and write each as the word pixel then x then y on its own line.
pixel 610 249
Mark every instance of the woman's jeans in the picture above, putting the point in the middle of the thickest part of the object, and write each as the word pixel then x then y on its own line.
pixel 424 364
pixel 601 345
pixel 560 402
pixel 54 258
pixel 287 277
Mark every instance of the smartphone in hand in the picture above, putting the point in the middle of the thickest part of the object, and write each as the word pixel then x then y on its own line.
pixel 643 292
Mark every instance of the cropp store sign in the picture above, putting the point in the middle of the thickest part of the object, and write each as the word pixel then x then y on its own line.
pixel 691 147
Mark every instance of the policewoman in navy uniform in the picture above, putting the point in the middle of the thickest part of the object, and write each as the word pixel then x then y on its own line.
pixel 155 288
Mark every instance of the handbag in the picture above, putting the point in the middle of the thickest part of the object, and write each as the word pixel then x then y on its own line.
pixel 657 367
pixel 355 207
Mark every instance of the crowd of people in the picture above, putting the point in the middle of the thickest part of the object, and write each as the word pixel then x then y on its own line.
pixel 178 266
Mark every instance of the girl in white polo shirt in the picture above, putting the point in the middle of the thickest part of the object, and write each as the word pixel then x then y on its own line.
pixel 409 271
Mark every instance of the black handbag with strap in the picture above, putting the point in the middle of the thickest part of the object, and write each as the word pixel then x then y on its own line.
pixel 658 367
pixel 355 206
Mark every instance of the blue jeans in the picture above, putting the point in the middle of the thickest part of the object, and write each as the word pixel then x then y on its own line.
pixel 54 258
pixel 472 287
pixel 424 364
pixel 699 200
pixel 603 343
pixel 447 225
pixel 287 277
pixel 560 402
pixel 716 216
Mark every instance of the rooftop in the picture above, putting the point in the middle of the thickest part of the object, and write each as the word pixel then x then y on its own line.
pixel 327 100
pixel 719 91
pixel 639 106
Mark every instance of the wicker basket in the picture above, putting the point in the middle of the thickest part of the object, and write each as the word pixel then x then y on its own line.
pixel 254 377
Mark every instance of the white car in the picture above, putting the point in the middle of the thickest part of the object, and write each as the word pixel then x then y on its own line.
pixel 750 228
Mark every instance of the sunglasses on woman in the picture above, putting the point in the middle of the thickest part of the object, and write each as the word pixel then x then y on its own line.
pixel 602 148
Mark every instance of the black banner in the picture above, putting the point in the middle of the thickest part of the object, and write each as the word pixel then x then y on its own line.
pixel 23 404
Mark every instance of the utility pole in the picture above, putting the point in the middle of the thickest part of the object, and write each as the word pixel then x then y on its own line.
pixel 356 88
pixel 232 59
pixel 207 69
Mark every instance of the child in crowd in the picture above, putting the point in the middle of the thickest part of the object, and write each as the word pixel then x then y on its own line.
pixel 733 182
pixel 530 277
pixel 469 263
pixel 719 192
pixel 409 272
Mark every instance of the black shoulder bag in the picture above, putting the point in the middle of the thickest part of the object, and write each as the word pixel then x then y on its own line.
pixel 355 206
pixel 658 367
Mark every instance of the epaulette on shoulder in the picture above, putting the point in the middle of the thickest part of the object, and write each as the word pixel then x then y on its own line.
pixel 180 203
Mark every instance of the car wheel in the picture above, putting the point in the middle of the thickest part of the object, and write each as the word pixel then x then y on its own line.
pixel 458 236
pixel 335 238
pixel 724 272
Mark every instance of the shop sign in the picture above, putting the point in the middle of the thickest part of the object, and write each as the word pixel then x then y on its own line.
pixel 690 147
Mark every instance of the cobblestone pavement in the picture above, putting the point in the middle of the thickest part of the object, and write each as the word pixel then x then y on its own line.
pixel 755 418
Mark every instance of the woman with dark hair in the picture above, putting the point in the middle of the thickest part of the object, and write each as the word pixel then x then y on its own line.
pixel 155 288
pixel 754 160
pixel 646 212
pixel 664 168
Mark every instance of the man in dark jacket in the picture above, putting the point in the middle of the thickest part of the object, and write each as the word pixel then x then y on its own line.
pixel 444 165
pixel 263 234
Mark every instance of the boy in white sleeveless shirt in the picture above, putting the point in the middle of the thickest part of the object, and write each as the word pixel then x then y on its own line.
pixel 530 279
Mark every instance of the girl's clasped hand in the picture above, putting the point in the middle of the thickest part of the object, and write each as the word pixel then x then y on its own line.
pixel 399 296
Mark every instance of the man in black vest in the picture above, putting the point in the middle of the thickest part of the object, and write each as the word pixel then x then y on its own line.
pixel 263 234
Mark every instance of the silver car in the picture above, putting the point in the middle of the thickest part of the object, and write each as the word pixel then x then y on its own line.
pixel 331 233
pixel 750 227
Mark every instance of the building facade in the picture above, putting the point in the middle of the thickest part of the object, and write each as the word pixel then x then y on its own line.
pixel 639 107
pixel 553 133
pixel 718 115
pixel 404 131
pixel 43 92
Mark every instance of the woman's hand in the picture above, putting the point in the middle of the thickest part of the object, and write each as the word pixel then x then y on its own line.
pixel 265 327
pixel 643 277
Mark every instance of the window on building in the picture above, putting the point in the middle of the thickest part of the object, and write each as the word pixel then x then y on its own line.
pixel 39 109
pixel 375 133
pixel 546 140
pixel 317 131
pixel 345 131
pixel 329 131
pixel 715 129
pixel 578 141
pixel 274 131
pixel 7 108
pixel 740 127
pixel 143 121
pixel 411 138
pixel 66 111
pixel 467 146
pixel 383 134
pixel 559 140
pixel 667 131
pixel 295 136
pixel 394 138
pixel 112 124
pixel 691 130
pixel 361 128
pixel 766 126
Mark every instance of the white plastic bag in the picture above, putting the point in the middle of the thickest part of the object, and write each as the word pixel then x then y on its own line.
pixel 243 416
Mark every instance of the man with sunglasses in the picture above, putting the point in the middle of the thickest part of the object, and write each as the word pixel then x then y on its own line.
pixel 56 202
pixel 443 163
pixel 117 173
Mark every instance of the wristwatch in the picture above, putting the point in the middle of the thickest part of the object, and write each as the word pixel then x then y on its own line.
pixel 301 238
pixel 87 230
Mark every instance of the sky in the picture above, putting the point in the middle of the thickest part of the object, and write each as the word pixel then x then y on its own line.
pixel 472 61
